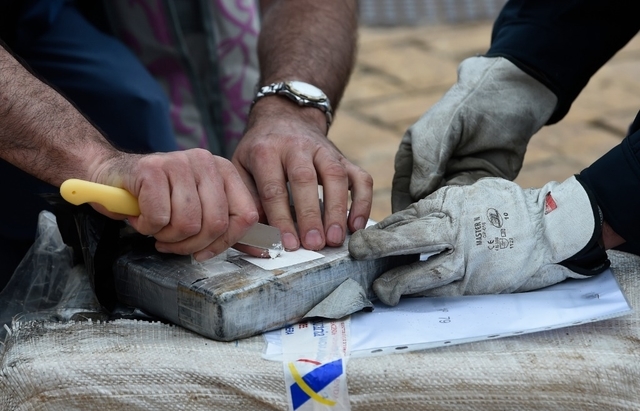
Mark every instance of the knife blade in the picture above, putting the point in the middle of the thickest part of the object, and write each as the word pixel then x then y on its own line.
pixel 260 241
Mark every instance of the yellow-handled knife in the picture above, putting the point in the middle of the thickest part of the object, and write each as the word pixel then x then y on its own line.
pixel 260 241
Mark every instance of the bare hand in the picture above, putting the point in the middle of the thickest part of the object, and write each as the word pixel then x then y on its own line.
pixel 191 201
pixel 285 143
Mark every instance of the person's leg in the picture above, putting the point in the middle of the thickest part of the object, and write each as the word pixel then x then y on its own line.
pixel 107 83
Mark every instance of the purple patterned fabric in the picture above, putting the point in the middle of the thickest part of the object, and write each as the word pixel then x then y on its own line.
pixel 148 29
pixel 238 25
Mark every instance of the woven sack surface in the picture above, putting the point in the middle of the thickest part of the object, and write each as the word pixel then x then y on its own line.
pixel 135 365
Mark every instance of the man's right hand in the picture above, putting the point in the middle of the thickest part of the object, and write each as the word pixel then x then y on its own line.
pixel 191 201
pixel 480 128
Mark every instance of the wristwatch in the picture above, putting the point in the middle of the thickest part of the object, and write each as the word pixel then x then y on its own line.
pixel 302 93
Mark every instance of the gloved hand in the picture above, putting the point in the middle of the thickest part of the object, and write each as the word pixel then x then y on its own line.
pixel 491 237
pixel 480 128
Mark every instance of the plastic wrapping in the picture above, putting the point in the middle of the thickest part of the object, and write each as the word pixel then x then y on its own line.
pixel 46 285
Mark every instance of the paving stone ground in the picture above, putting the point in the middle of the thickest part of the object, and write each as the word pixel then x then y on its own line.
pixel 400 72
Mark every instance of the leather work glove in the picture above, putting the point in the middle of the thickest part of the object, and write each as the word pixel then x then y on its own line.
pixel 490 237
pixel 480 128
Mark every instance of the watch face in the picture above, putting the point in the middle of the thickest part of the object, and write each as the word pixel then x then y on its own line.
pixel 306 90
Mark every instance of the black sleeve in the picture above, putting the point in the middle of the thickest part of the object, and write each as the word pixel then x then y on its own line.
pixel 26 20
pixel 9 12
pixel 614 180
pixel 562 43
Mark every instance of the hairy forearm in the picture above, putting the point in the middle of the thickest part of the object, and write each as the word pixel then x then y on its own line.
pixel 309 40
pixel 41 132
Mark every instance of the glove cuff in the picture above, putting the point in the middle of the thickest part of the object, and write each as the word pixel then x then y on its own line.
pixel 517 87
pixel 593 258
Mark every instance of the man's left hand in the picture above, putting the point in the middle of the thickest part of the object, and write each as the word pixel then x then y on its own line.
pixel 284 144
pixel 489 237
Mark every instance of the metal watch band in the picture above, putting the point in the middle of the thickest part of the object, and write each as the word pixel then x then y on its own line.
pixel 285 89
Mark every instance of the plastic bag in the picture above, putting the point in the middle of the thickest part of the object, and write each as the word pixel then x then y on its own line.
pixel 47 285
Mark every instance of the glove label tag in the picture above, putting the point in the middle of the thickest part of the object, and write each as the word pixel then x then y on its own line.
pixel 549 203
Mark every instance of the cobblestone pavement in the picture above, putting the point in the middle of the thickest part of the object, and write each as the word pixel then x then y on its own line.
pixel 401 72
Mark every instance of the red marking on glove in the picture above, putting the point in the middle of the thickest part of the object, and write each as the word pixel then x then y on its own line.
pixel 549 204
